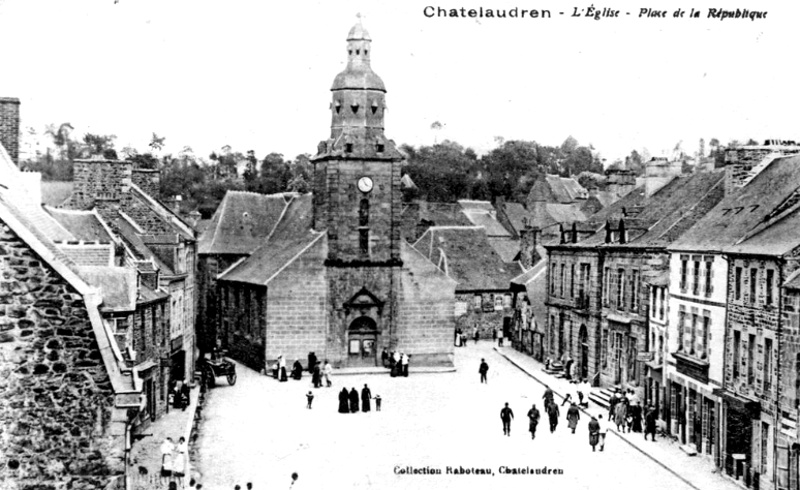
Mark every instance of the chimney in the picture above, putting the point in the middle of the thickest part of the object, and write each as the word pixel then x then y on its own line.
pixel 528 238
pixel 658 173
pixel 9 127
pixel 745 162
pixel 101 182
pixel 620 182
pixel 148 180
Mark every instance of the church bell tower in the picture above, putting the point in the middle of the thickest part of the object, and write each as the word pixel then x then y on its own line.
pixel 356 181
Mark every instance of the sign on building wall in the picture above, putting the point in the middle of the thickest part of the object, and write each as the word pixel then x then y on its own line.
pixel 461 308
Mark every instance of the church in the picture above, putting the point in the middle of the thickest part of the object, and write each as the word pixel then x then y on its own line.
pixel 335 275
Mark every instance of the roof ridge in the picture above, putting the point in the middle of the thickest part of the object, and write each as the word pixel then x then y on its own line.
pixel 219 219
pixel 290 261
pixel 720 181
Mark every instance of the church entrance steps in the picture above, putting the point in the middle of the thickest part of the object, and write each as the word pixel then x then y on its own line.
pixel 601 397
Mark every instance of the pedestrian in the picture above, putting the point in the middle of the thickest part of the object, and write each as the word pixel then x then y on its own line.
pixel 548 398
pixel 395 364
pixel 650 422
pixel 612 404
pixel 328 370
pixel 237 487
pixel 636 416
pixel 184 396
pixel 475 334
pixel 310 398
pixel 533 420
pixel 594 432
pixel 506 414
pixel 377 403
pixel 494 334
pixel 404 361
pixel 249 486
pixel 275 370
pixel 344 398
pixel 312 361
pixel 620 414
pixel 573 416
pixel 567 399
pixel 167 448
pixel 601 431
pixel 484 369
pixel 297 370
pixel 316 376
pixel 385 357
pixel 353 400
pixel 366 396
pixel 282 368
pixel 553 413
pixel 294 480
pixel 500 337
pixel 179 462
pixel 568 368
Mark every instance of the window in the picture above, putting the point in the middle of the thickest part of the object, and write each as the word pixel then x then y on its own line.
pixel 751 350
pixel 737 284
pixel 764 446
pixel 708 287
pixel 681 326
pixel 753 280
pixel 477 301
pixel 363 213
pixel 706 334
pixel 661 349
pixel 696 278
pixel 606 285
pixel 584 280
pixel 620 289
pixel 653 306
pixel 684 265
pixel 661 294
pixel 162 321
pixel 767 366
pixel 563 278
pixel 553 279
pixel 769 285
pixel 737 342
pixel 797 380
pixel 348 147
pixel 572 281
pixel 363 240
pixel 693 333
pixel 635 290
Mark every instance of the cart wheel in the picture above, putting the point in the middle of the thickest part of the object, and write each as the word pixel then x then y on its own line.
pixel 232 379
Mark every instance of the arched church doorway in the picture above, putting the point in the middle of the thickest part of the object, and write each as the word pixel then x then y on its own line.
pixel 583 343
pixel 362 341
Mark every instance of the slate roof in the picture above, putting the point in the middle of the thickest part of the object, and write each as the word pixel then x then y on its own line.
pixel 117 284
pixel 793 281
pixel 566 190
pixel 740 213
pixel 83 225
pixel 266 262
pixel 242 222
pixel 55 193
pixel 488 221
pixel 470 258
pixel 776 237
pixel 507 248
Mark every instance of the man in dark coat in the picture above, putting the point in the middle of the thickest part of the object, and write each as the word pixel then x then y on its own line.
pixel 343 401
pixel 366 395
pixel 297 370
pixel 385 358
pixel 635 412
pixel 312 361
pixel 552 413
pixel 353 400
pixel 568 369
pixel 483 370
pixel 506 415
pixel 594 432
pixel 533 419
pixel 316 376
pixel 650 422
pixel 548 398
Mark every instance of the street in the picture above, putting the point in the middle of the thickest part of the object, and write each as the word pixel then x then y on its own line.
pixel 260 431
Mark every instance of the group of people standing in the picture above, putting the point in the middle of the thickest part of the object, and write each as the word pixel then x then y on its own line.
pixel 318 370
pixel 397 362
pixel 174 458
pixel 627 413
pixel 348 401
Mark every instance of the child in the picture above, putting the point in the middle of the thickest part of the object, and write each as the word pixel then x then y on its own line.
pixel 378 403
pixel 310 398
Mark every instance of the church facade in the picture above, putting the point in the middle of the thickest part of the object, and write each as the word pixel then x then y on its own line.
pixel 335 276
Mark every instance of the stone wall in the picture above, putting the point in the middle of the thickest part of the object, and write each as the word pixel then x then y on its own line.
pixel 484 310
pixel 57 403
pixel 425 323
pixel 207 321
pixel 243 329
pixel 100 180
pixel 148 180
pixel 9 126
pixel 151 342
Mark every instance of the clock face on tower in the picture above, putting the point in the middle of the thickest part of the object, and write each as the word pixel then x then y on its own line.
pixel 365 184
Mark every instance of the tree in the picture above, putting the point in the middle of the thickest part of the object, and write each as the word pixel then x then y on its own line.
pixel 97 144
pixel 436 127
pixel 157 142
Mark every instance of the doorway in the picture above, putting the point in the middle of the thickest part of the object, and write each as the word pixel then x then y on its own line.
pixel 618 363
pixel 362 341
pixel 583 340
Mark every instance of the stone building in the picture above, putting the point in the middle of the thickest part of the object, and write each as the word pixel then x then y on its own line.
pixel 483 294
pixel 597 301
pixel 151 239
pixel 788 383
pixel 725 321
pixel 67 392
pixel 335 277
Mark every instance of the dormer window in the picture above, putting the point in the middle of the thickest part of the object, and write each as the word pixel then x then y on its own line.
pixel 338 106
pixel 350 52
pixel 354 108
pixel 379 147
pixel 366 52
pixel 358 51
pixel 348 147
pixel 374 107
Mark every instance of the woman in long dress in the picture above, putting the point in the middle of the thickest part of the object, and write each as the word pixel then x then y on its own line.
pixel 179 460
pixel 353 400
pixel 573 415
pixel 297 370
pixel 366 395
pixel 344 398
pixel 282 368
pixel 620 415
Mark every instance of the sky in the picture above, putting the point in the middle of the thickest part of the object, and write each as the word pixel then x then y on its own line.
pixel 257 75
